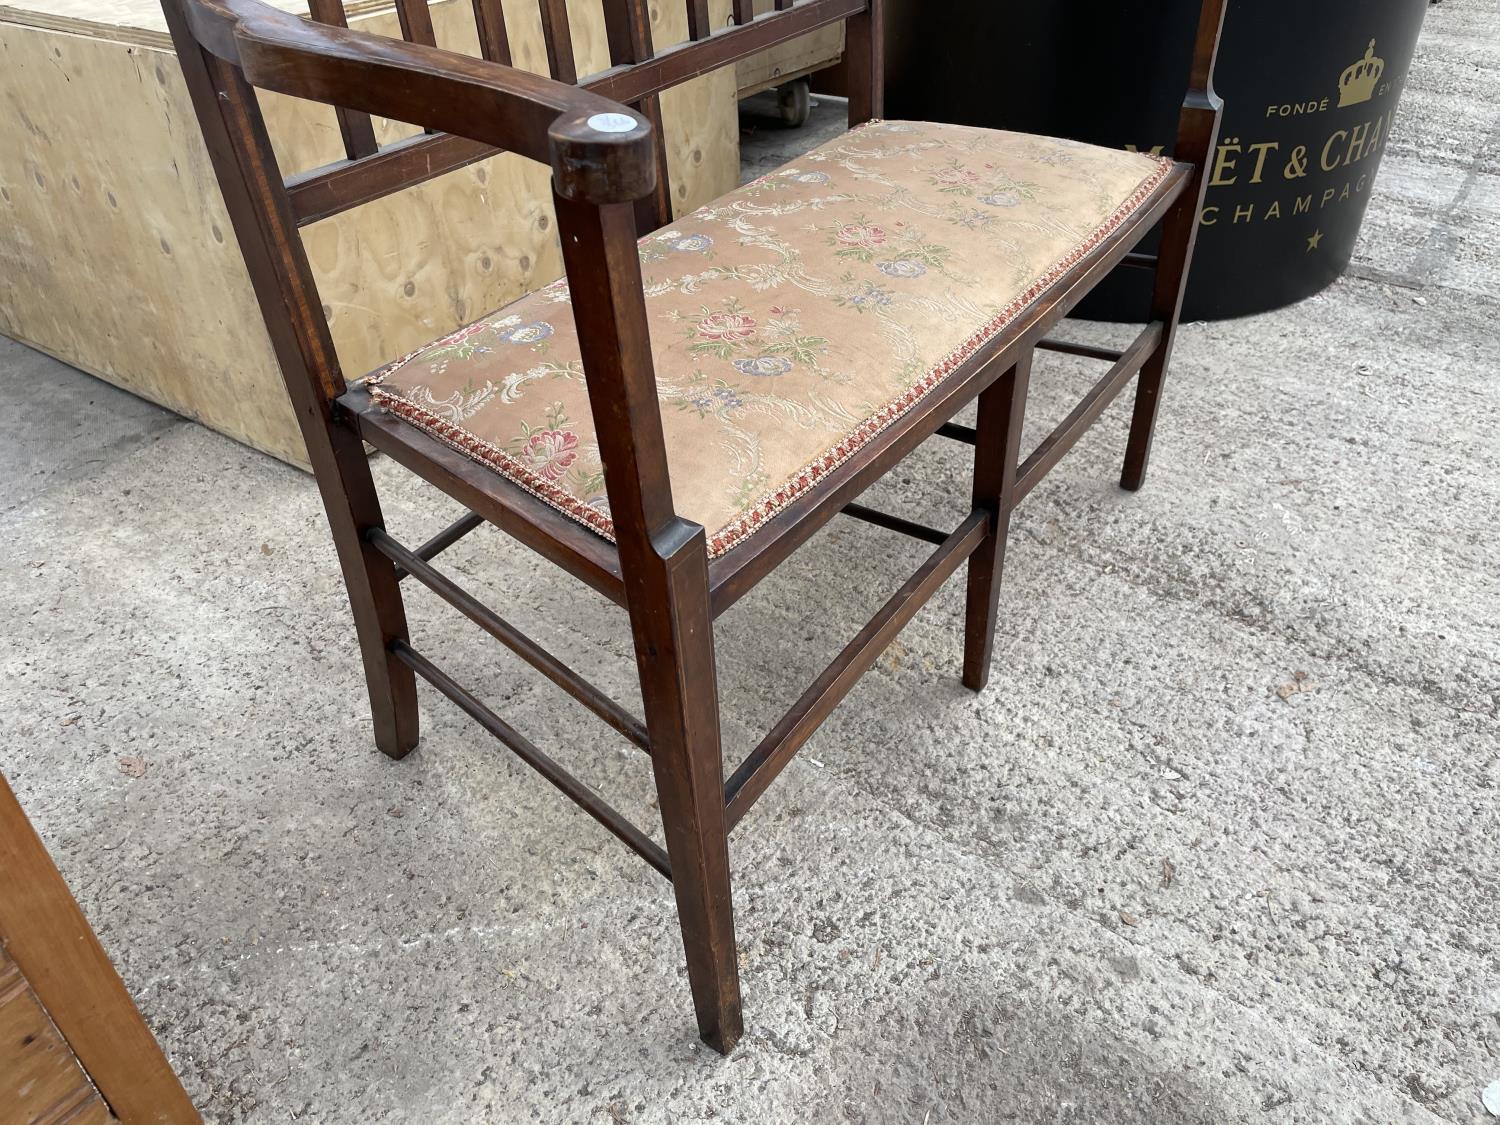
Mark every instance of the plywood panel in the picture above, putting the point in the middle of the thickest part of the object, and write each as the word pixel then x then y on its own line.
pixel 116 253
pixel 40 1080
pixel 813 51
pixel 115 250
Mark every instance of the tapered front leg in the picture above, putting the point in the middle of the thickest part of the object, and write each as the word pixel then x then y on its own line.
pixel 675 651
pixel 997 449
pixel 374 592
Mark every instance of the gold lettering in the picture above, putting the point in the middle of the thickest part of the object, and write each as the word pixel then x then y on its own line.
pixel 1328 147
pixel 1296 167
pixel 1245 212
pixel 1223 163
pixel 1357 141
pixel 1302 205
pixel 1328 197
pixel 1274 212
pixel 1262 150
pixel 1210 216
pixel 1343 195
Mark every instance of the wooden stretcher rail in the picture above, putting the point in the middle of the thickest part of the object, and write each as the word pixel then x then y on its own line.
pixel 580 794
pixel 444 539
pixel 512 638
pixel 1073 427
pixel 762 764
pixel 1087 351
pixel 895 523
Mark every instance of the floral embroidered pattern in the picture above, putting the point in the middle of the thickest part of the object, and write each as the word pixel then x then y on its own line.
pixel 791 320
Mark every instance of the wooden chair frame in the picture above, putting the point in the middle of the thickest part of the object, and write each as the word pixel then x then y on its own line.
pixel 608 186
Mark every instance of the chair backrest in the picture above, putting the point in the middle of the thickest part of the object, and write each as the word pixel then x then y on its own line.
pixel 247 45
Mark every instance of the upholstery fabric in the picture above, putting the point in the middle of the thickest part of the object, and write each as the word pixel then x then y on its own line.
pixel 791 320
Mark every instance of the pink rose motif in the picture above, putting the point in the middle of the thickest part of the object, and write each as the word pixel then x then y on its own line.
pixel 551 452
pixel 956 177
pixel 861 234
pixel 466 332
pixel 727 327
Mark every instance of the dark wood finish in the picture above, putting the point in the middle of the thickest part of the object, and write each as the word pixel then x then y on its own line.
pixel 894 523
pixel 700 23
pixel 558 36
pixel 627 24
pixel 327 191
pixel 58 960
pixel 489 22
pixel 768 759
pixel 1088 351
pixel 864 63
pixel 444 539
pixel 1197 137
pixel 664 561
pixel 1001 412
pixel 1051 448
pixel 607 187
pixel 356 129
pixel 576 791
pixel 512 638
pixel 416 22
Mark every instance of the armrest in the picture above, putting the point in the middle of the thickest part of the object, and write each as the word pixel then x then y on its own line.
pixel 600 151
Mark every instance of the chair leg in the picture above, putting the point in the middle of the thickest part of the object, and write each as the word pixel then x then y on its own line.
pixel 374 593
pixel 675 653
pixel 1179 232
pixel 997 449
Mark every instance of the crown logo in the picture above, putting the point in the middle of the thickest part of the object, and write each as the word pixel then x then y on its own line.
pixel 1357 84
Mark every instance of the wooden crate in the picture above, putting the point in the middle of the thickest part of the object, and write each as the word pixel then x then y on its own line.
pixel 73 1047
pixel 116 253
pixel 814 51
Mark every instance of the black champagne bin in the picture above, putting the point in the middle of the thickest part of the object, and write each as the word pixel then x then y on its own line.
pixel 1310 92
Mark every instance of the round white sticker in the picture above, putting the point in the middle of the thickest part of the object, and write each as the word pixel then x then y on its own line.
pixel 611 123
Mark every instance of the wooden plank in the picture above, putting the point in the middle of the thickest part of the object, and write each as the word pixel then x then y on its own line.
pixel 125 266
pixel 40 1080
pixel 46 934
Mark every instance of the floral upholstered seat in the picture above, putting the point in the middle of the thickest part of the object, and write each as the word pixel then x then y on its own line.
pixel 791 320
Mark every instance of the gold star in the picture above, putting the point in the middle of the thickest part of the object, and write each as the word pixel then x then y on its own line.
pixel 1312 243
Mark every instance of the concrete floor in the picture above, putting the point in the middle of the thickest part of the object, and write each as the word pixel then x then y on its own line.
pixel 1138 880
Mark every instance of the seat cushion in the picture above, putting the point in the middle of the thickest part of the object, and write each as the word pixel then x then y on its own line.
pixel 791 320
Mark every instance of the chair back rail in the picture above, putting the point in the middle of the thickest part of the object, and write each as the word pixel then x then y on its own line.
pixel 636 76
